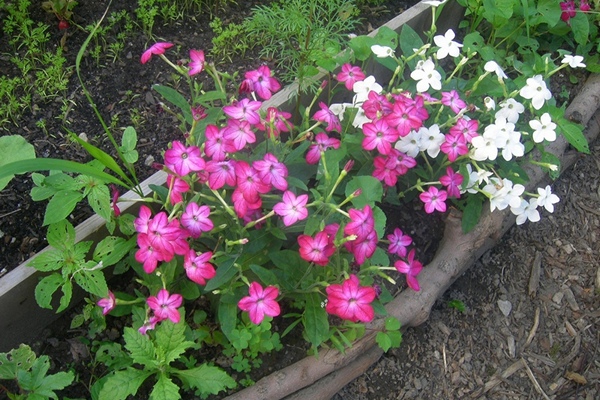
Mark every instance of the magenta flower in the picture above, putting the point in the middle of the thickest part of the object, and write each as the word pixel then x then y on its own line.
pixel 156 49
pixel 350 301
pixel 452 99
pixel 361 222
pixel 454 146
pixel 147 254
pixel 244 110
pixel 237 134
pixel 376 106
pixel 271 171
pixel 244 204
pixel 198 113
pixel 221 173
pixel 249 183
pixel 434 199
pixel 466 127
pixel 197 266
pixel 196 64
pixel 401 162
pixel 584 6
pixel 349 75
pixel 261 82
pixel 143 219
pixel 379 135
pixel 275 122
pixel 412 268
pixel 165 306
pixel 327 116
pixel 177 187
pixel 215 145
pixel 149 325
pixel 399 243
pixel 260 302
pixel 322 143
pixel 115 199
pixel 195 219
pixel 292 208
pixel 384 173
pixel 107 303
pixel 568 10
pixel 317 249
pixel 405 116
pixel 183 160
pixel 452 180
pixel 363 248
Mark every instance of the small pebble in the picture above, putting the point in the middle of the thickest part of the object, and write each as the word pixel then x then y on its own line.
pixel 505 307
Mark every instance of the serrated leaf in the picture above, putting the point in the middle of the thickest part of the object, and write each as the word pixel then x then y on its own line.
pixel 50 260
pixel 13 148
pixel 53 382
pixel 20 358
pixel 207 379
pixel 61 205
pixel 92 281
pixel 316 323
pixel 61 235
pixel 122 384
pixel 164 389
pixel 140 347
pixel 384 341
pixel 112 249
pixel 171 339
pixel 99 199
pixel 46 288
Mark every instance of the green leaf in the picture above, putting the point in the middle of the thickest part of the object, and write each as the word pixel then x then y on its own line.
pixel 384 341
pixel 65 300
pixel 174 97
pixel 164 389
pixel 92 281
pixel 549 11
pixel 113 249
pixel 140 347
pixel 129 139
pixel 266 276
pixel 53 382
pixel 392 324
pixel 52 164
pixel 99 199
pixel 207 379
pixel 225 271
pixel 123 383
pixel 361 46
pixel 61 205
pixel 371 190
pixel 61 235
pixel 227 314
pixel 20 358
pixel 46 288
pixel 170 338
pixel 50 260
pixel 13 148
pixel 316 323
pixel 471 213
pixel 409 40
pixel 581 28
pixel 574 135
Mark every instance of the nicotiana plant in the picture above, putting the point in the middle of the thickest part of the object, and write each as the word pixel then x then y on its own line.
pixel 265 215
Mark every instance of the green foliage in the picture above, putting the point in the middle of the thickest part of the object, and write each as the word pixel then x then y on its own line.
pixel 13 148
pixel 31 374
pixel 228 41
pixel 390 337
pixel 299 35
pixel 155 355
pixel 457 305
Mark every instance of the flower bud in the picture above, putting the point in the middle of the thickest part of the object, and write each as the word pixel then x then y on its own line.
pixel 348 166
pixel 199 113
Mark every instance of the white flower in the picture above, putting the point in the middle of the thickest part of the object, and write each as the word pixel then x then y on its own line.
pixel 537 91
pixel 473 180
pixel 573 61
pixel 446 45
pixel 382 51
pixel 492 66
pixel 526 211
pixel 484 146
pixel 410 144
pixel 498 193
pixel 434 3
pixel 507 139
pixel 543 129
pixel 360 118
pixel 510 109
pixel 490 104
pixel 431 140
pixel 426 76
pixel 362 89
pixel 514 192
pixel 547 199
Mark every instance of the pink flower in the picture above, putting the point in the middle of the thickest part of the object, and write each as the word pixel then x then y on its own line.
pixel 434 199
pixel 196 64
pixel 115 199
pixel 454 146
pixel 215 145
pixel 412 268
pixel 249 183
pixel 584 6
pixel 238 134
pixel 363 248
pixel 177 187
pixel 156 49
pixel 244 110
pixel 260 302
pixel 245 206
pixel 147 254
pixel 317 249
pixel 271 171
pixel 466 127
pixel 327 116
pixel 384 173
pixel 361 222
pixel 376 106
pixel 400 162
pixel 405 116
pixel 165 306
pixel 197 266
pixel 143 219
pixel 149 325
pixel 379 134
pixel 452 99
pixel 399 243
pixel 107 303
pixel 199 113
pixel 322 143
pixel 275 122
pixel 221 173
pixel 183 160
pixel 568 10
pixel 292 208
pixel 195 219
pixel 261 82
pixel 350 301
pixel 349 75
pixel 452 180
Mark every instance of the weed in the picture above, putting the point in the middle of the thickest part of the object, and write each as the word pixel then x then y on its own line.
pixel 227 41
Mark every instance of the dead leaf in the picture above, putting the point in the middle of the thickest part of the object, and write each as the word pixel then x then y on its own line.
pixel 575 377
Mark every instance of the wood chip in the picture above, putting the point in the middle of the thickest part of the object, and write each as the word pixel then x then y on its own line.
pixel 575 377
pixel 536 384
pixel 570 329
pixel 534 277
pixel 570 298
pixel 497 379
pixel 536 323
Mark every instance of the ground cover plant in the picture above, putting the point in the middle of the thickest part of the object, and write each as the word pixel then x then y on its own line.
pixel 258 209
